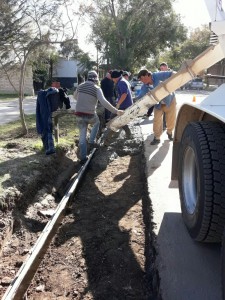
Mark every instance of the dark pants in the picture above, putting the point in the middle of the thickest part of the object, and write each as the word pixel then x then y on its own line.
pixel 150 110
pixel 107 112
pixel 47 138
pixel 164 121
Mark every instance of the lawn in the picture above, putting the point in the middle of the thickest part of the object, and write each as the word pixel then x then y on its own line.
pixel 68 132
pixel 7 97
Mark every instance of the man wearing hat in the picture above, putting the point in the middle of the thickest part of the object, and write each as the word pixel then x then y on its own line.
pixel 124 97
pixel 167 105
pixel 164 66
pixel 126 75
pixel 87 95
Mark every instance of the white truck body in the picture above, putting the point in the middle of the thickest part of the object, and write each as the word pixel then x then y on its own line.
pixel 199 157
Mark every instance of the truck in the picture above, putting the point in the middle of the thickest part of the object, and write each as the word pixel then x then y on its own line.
pixel 198 161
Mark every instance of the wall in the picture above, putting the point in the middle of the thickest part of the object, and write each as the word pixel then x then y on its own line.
pixel 6 87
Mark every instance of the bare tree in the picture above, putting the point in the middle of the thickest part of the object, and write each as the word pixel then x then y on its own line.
pixel 26 25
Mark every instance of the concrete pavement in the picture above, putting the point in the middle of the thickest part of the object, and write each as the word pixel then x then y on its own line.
pixel 187 270
pixel 9 110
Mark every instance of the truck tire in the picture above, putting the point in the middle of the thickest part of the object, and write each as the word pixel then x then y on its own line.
pixel 223 266
pixel 202 180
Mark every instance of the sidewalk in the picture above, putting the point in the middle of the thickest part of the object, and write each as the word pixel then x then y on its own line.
pixel 187 270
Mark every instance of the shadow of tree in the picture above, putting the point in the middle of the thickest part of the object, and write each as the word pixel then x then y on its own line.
pixel 108 222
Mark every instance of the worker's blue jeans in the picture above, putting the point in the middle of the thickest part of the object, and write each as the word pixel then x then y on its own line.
pixel 47 138
pixel 82 123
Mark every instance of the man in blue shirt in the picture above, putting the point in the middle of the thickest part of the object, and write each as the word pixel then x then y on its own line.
pixel 164 67
pixel 124 97
pixel 166 105
pixel 145 88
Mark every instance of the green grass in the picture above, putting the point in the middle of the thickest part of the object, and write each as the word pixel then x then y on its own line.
pixel 12 132
pixel 7 97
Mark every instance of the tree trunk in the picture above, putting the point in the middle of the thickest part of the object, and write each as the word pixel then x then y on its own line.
pixel 21 96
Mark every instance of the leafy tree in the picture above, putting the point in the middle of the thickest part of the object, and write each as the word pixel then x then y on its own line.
pixel 130 31
pixel 197 42
pixel 27 25
pixel 71 49
pixel 43 61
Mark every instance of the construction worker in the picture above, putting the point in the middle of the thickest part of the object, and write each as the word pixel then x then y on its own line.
pixel 87 95
pixel 145 88
pixel 124 97
pixel 107 86
pixel 167 105
pixel 164 67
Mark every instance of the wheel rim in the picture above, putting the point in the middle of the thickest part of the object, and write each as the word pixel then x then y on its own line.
pixel 189 180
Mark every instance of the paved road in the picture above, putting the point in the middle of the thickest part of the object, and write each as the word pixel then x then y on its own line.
pixel 188 270
pixel 9 110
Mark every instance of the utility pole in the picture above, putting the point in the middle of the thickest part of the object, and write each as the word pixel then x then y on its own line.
pixel 98 47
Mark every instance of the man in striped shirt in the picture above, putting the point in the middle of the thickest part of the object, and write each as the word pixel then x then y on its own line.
pixel 87 95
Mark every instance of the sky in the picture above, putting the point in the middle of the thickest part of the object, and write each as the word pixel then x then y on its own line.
pixel 193 13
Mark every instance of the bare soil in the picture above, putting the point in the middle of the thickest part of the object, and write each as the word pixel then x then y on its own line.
pixel 104 248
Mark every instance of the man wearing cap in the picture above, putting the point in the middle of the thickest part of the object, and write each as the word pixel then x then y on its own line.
pixel 164 66
pixel 124 97
pixel 167 105
pixel 87 95
pixel 126 75
pixel 107 86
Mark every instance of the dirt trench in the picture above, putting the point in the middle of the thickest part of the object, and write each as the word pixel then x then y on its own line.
pixel 104 248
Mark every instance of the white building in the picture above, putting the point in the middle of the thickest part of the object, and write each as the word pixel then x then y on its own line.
pixel 66 72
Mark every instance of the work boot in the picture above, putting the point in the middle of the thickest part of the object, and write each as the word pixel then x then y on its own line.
pixel 170 136
pixel 155 141
pixel 91 146
pixel 83 161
